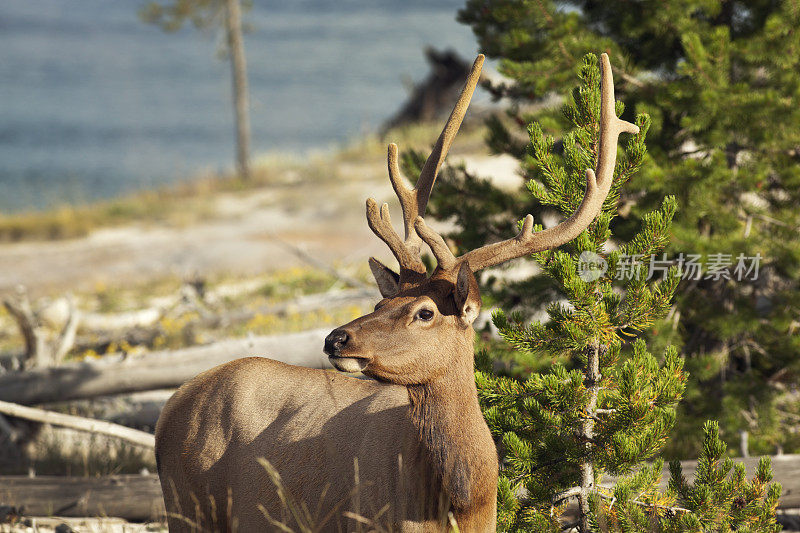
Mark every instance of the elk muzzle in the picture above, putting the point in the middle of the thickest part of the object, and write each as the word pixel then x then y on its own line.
pixel 334 342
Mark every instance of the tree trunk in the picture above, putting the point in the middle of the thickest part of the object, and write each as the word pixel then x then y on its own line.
pixel 592 382
pixel 233 27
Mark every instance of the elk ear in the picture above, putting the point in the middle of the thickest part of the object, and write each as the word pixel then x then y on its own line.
pixel 388 281
pixel 468 302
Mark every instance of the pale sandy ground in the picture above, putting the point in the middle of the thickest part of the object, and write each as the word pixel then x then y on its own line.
pixel 324 218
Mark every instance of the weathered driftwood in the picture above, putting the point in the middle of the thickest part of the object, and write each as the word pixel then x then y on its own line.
pixel 20 309
pixel 135 497
pixel 132 497
pixel 146 335
pixel 39 352
pixel 106 525
pixel 117 374
pixel 79 423
pixel 66 339
pixel 122 320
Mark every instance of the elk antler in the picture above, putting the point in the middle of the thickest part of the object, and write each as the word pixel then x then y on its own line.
pixel 597 188
pixel 414 201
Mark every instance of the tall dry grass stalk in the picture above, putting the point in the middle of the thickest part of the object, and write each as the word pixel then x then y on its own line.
pixel 296 517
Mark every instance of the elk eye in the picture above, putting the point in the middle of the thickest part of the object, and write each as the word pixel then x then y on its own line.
pixel 424 314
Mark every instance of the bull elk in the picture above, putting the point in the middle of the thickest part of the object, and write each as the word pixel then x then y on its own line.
pixel 407 449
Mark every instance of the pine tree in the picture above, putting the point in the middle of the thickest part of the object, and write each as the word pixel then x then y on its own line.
pixel 601 403
pixel 720 80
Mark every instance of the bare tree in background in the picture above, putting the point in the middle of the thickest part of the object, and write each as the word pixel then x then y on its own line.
pixel 206 14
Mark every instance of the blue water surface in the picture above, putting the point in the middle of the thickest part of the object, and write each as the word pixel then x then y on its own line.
pixel 95 103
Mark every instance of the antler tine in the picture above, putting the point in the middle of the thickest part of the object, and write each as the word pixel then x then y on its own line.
pixel 406 196
pixel 415 201
pixel 597 188
pixel 431 168
pixel 381 225
pixel 444 257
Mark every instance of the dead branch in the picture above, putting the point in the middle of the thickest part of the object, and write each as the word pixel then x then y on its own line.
pixel 117 374
pixel 313 261
pixel 79 423
pixel 35 350
pixel 145 336
pixel 39 351
pixel 66 339
pixel 121 320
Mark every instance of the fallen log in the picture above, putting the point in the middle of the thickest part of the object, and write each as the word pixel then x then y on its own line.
pixel 131 497
pixel 145 336
pixel 39 350
pixel 89 425
pixel 138 497
pixel 121 320
pixel 43 524
pixel 117 374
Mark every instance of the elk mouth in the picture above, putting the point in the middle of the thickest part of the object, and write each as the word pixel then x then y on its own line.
pixel 348 364
pixel 338 340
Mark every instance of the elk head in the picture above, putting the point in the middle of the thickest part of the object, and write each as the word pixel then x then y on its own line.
pixel 423 325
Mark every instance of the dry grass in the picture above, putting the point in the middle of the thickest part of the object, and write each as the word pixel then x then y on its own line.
pixel 298 517
pixel 63 452
pixel 179 327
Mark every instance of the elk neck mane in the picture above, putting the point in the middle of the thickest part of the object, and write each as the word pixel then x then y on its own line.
pixel 443 411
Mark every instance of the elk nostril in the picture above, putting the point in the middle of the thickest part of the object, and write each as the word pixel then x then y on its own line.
pixel 340 339
pixel 335 341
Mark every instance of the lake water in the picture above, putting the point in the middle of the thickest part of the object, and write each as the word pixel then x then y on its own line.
pixel 94 103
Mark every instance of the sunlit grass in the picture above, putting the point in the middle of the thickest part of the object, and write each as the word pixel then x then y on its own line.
pixel 59 452
pixel 182 326
pixel 298 516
